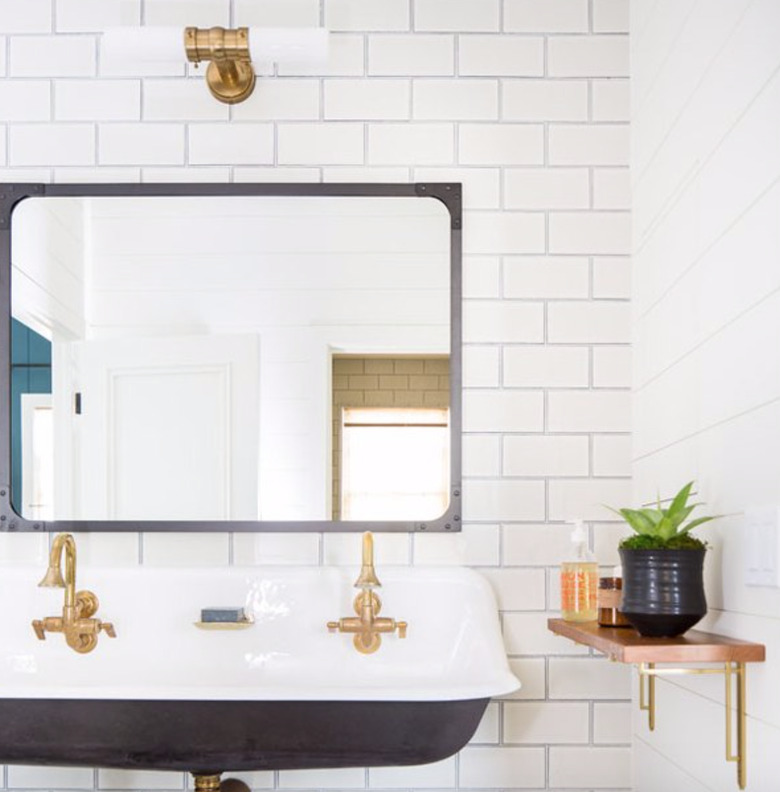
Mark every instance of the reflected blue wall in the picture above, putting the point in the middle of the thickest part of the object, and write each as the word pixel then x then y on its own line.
pixel 30 373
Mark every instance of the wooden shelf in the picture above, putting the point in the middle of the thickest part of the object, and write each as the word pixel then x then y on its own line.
pixel 625 645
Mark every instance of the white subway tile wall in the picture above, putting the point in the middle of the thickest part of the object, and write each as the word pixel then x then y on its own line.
pixel 277 13
pixel 25 101
pixel 51 144
pixel 95 100
pixel 83 16
pixel 368 15
pixel 203 13
pixel 170 100
pixel 65 56
pixel 546 16
pixel 280 100
pixel 545 100
pixel 526 103
pixel 411 55
pixel 32 17
pixel 360 99
pixel 500 56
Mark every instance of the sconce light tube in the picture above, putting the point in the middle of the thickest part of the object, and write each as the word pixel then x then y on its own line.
pixel 288 45
pixel 144 44
pixel 266 44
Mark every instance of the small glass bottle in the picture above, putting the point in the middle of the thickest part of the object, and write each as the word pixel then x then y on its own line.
pixel 610 596
pixel 579 579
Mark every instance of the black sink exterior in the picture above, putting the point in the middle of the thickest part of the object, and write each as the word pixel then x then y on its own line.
pixel 216 736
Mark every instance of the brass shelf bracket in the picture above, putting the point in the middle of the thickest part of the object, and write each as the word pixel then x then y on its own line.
pixel 647 701
pixel 735 679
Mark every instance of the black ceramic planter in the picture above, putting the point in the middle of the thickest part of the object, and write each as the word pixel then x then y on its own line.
pixel 663 590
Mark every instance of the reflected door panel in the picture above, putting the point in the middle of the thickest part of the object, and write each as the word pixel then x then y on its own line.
pixel 172 418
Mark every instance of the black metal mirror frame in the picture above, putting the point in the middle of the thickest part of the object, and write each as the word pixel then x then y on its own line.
pixel 448 194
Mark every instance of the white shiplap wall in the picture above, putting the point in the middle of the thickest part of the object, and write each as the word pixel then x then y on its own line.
pixel 705 171
pixel 526 103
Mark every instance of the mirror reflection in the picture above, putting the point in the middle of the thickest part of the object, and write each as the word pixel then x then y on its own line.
pixel 230 358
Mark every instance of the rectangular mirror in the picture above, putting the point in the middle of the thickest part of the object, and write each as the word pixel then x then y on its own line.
pixel 231 357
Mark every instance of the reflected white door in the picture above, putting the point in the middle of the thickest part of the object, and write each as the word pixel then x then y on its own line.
pixel 165 428
pixel 37 456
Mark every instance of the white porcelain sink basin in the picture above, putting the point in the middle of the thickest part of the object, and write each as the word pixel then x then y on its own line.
pixel 284 693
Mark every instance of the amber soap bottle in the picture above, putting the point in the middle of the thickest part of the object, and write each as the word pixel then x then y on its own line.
pixel 579 579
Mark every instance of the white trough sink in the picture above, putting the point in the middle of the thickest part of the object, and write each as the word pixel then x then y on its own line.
pixel 283 693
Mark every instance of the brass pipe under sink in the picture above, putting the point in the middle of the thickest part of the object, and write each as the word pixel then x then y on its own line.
pixel 210 782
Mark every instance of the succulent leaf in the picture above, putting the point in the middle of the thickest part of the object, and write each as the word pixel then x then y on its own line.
pixel 637 521
pixel 654 515
pixel 681 516
pixel 666 528
pixel 699 521
pixel 680 499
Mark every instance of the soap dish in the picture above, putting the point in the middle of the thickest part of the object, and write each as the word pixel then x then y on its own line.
pixel 222 618
pixel 215 625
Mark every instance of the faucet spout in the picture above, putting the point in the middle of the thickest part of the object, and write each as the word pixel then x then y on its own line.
pixel 367 577
pixel 53 577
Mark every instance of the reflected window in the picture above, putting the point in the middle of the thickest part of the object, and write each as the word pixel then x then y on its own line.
pixel 394 463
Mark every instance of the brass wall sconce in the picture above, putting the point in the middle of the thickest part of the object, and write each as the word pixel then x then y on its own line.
pixel 230 76
pixel 230 53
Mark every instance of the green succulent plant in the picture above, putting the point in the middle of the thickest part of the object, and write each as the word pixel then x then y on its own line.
pixel 661 528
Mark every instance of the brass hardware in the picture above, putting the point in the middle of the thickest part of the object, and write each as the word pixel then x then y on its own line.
pixel 236 625
pixel 729 670
pixel 80 630
pixel 206 783
pixel 367 626
pixel 647 703
pixel 229 76
pixel 367 576
pixel 212 783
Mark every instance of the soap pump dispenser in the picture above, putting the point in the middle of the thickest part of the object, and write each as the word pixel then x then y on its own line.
pixel 579 579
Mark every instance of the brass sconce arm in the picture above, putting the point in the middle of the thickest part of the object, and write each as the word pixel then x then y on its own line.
pixel 230 76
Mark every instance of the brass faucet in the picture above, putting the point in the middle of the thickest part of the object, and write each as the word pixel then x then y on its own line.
pixel 81 631
pixel 367 626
